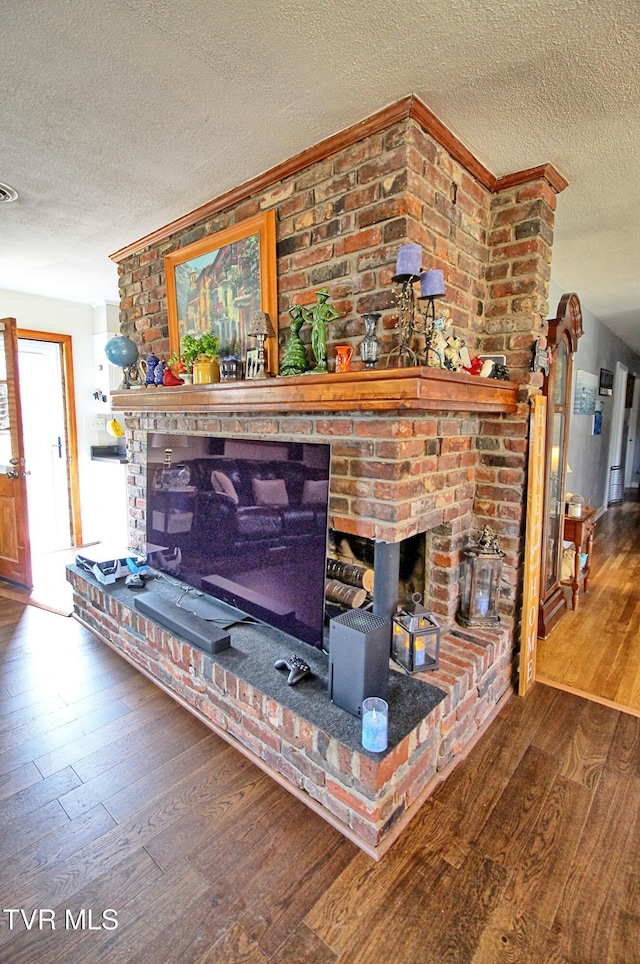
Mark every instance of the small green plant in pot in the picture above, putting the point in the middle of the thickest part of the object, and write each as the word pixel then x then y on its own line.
pixel 200 353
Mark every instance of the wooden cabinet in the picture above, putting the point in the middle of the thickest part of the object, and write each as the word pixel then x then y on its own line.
pixel 580 533
pixel 564 331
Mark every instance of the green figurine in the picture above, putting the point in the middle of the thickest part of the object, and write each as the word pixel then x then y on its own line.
pixel 294 359
pixel 318 317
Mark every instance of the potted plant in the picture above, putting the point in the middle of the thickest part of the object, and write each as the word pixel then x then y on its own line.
pixel 181 367
pixel 200 353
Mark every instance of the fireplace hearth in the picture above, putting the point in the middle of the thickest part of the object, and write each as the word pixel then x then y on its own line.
pixel 296 734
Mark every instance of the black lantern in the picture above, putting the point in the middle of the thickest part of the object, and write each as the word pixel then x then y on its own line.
pixel 481 581
pixel 415 638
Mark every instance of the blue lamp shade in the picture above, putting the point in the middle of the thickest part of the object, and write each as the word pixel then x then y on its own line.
pixel 121 351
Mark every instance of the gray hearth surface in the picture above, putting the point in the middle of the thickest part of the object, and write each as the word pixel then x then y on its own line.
pixel 254 649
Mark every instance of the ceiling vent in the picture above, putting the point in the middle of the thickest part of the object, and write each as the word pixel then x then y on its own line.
pixel 7 193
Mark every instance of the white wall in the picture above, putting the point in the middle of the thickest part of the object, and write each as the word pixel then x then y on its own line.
pixel 103 502
pixel 588 454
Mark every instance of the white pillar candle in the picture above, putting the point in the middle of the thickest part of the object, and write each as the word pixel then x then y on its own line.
pixel 375 720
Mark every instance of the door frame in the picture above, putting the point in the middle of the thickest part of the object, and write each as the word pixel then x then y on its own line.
pixel 631 433
pixel 617 420
pixel 68 393
pixel 15 545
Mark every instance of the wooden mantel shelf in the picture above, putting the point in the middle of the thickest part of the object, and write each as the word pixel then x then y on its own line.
pixel 401 389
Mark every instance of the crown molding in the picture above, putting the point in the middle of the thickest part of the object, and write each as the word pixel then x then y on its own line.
pixel 408 107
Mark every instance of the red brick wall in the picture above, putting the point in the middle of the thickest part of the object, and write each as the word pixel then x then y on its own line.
pixel 520 244
pixel 340 223
pixel 391 477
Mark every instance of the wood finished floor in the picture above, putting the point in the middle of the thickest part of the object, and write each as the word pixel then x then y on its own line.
pixel 596 650
pixel 114 797
pixel 50 587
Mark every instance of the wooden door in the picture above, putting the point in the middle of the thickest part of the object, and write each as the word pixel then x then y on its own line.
pixel 15 551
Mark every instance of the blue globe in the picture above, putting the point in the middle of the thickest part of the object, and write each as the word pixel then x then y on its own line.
pixel 121 351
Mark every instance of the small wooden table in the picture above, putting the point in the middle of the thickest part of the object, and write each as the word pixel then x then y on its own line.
pixel 580 532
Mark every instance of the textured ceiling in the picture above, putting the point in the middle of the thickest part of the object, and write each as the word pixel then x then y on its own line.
pixel 119 117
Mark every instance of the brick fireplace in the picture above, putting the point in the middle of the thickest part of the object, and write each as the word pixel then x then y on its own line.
pixel 395 474
pixel 415 452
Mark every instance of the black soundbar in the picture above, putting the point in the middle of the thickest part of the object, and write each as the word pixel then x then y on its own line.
pixel 205 635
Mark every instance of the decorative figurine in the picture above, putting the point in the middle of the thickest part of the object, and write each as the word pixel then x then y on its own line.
pixel 541 358
pixel 488 541
pixel 318 317
pixel 230 369
pixel 294 359
pixel 168 378
pixel 437 340
pixel 475 367
pixel 452 354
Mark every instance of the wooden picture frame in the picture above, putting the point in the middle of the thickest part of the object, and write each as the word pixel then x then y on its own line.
pixel 218 282
pixel 606 382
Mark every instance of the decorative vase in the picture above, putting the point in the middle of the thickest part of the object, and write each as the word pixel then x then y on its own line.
pixel 344 354
pixel 370 346
pixel 158 371
pixel 206 371
pixel 187 378
pixel 150 365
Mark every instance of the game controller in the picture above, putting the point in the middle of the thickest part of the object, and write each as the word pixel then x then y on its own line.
pixel 297 667
pixel 137 580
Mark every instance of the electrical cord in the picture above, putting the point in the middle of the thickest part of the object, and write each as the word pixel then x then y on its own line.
pixel 208 619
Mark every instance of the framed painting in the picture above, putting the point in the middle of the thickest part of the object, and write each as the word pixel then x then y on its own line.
pixel 584 400
pixel 219 282
pixel 606 382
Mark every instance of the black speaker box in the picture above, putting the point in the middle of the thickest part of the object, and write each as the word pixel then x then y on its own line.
pixel 359 645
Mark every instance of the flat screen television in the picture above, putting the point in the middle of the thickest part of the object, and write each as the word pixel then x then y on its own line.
pixel 244 521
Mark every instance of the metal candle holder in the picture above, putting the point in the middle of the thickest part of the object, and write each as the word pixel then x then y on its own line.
pixel 412 321
pixel 406 321
pixel 431 287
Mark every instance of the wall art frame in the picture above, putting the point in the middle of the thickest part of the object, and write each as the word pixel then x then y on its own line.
pixel 606 382
pixel 219 281
pixel 584 400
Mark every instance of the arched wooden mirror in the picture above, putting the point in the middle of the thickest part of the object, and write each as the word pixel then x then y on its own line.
pixel 564 331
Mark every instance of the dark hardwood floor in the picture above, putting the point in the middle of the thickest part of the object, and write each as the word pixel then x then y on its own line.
pixel 113 798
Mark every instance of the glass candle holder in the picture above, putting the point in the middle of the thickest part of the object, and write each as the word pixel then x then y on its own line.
pixel 375 724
